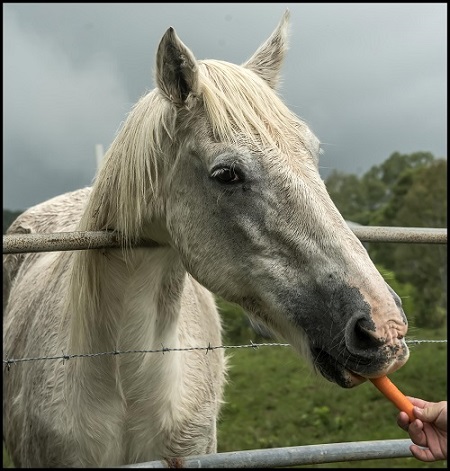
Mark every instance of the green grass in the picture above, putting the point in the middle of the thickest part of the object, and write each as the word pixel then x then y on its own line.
pixel 274 400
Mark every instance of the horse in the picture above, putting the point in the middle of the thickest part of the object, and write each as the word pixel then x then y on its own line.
pixel 217 172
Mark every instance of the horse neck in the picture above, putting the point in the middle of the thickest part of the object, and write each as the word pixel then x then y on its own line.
pixel 125 299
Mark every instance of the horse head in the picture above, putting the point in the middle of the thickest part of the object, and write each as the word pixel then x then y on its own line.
pixel 243 203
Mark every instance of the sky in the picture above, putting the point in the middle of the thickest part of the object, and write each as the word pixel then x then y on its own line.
pixel 370 79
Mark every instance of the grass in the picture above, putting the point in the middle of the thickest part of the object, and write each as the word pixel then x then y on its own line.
pixel 274 400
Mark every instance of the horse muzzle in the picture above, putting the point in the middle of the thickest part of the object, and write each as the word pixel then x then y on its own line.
pixel 362 353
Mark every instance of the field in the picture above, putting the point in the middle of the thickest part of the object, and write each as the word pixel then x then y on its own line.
pixel 274 400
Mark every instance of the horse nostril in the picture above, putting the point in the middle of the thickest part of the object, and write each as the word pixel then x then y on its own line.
pixel 360 335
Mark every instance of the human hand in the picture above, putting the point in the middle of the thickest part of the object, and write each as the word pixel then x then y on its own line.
pixel 429 429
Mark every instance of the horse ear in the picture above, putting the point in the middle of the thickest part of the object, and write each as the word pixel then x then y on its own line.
pixel 267 60
pixel 176 69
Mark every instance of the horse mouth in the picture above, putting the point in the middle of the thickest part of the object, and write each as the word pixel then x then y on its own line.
pixel 335 371
pixel 349 370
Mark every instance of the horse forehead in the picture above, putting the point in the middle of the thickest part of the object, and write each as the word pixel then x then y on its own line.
pixel 292 137
pixel 293 151
pixel 310 141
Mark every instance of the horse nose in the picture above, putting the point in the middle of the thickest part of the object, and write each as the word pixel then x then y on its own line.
pixel 397 300
pixel 360 336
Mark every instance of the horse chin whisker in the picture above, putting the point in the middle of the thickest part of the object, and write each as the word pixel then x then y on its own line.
pixel 220 178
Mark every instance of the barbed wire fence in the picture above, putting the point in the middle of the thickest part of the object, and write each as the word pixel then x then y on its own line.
pixel 64 357
pixel 67 241
pixel 279 457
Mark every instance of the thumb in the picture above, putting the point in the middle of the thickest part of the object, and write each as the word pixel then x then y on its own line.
pixel 429 414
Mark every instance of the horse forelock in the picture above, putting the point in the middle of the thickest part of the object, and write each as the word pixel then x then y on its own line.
pixel 242 108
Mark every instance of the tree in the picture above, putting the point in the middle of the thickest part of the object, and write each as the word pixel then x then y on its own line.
pixel 8 218
pixel 406 190
pixel 348 194
pixel 419 199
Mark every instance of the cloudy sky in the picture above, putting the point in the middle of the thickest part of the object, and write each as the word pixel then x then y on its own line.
pixel 369 79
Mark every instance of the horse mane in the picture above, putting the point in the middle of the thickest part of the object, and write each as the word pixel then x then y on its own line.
pixel 243 108
pixel 240 107
pixel 127 181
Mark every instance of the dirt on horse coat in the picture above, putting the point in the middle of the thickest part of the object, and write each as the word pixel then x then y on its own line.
pixel 214 168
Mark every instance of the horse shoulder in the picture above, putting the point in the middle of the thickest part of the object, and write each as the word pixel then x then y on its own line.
pixel 58 214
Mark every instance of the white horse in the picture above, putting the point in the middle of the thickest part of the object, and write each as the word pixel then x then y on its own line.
pixel 222 177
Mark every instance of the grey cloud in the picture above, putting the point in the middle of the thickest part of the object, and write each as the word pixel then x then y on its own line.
pixel 370 79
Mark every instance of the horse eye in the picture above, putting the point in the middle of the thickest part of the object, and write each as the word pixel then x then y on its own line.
pixel 226 175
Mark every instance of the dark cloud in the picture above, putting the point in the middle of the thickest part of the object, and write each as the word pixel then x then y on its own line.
pixel 370 79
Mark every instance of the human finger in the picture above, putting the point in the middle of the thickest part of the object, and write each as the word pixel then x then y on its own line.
pixel 431 413
pixel 417 401
pixel 422 454
pixel 416 433
pixel 403 420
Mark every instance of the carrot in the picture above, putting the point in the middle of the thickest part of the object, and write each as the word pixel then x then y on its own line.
pixel 390 390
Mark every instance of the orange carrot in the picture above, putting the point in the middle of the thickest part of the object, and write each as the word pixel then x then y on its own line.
pixel 390 390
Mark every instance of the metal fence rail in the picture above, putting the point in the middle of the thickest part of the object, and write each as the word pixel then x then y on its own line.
pixel 266 458
pixel 412 235
pixel 290 456
pixel 63 241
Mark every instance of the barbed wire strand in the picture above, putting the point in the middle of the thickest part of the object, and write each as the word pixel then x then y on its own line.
pixel 64 357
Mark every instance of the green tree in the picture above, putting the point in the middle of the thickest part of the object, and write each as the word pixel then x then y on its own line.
pixel 406 190
pixel 347 193
pixel 419 199
pixel 8 218
pixel 405 290
pixel 393 168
